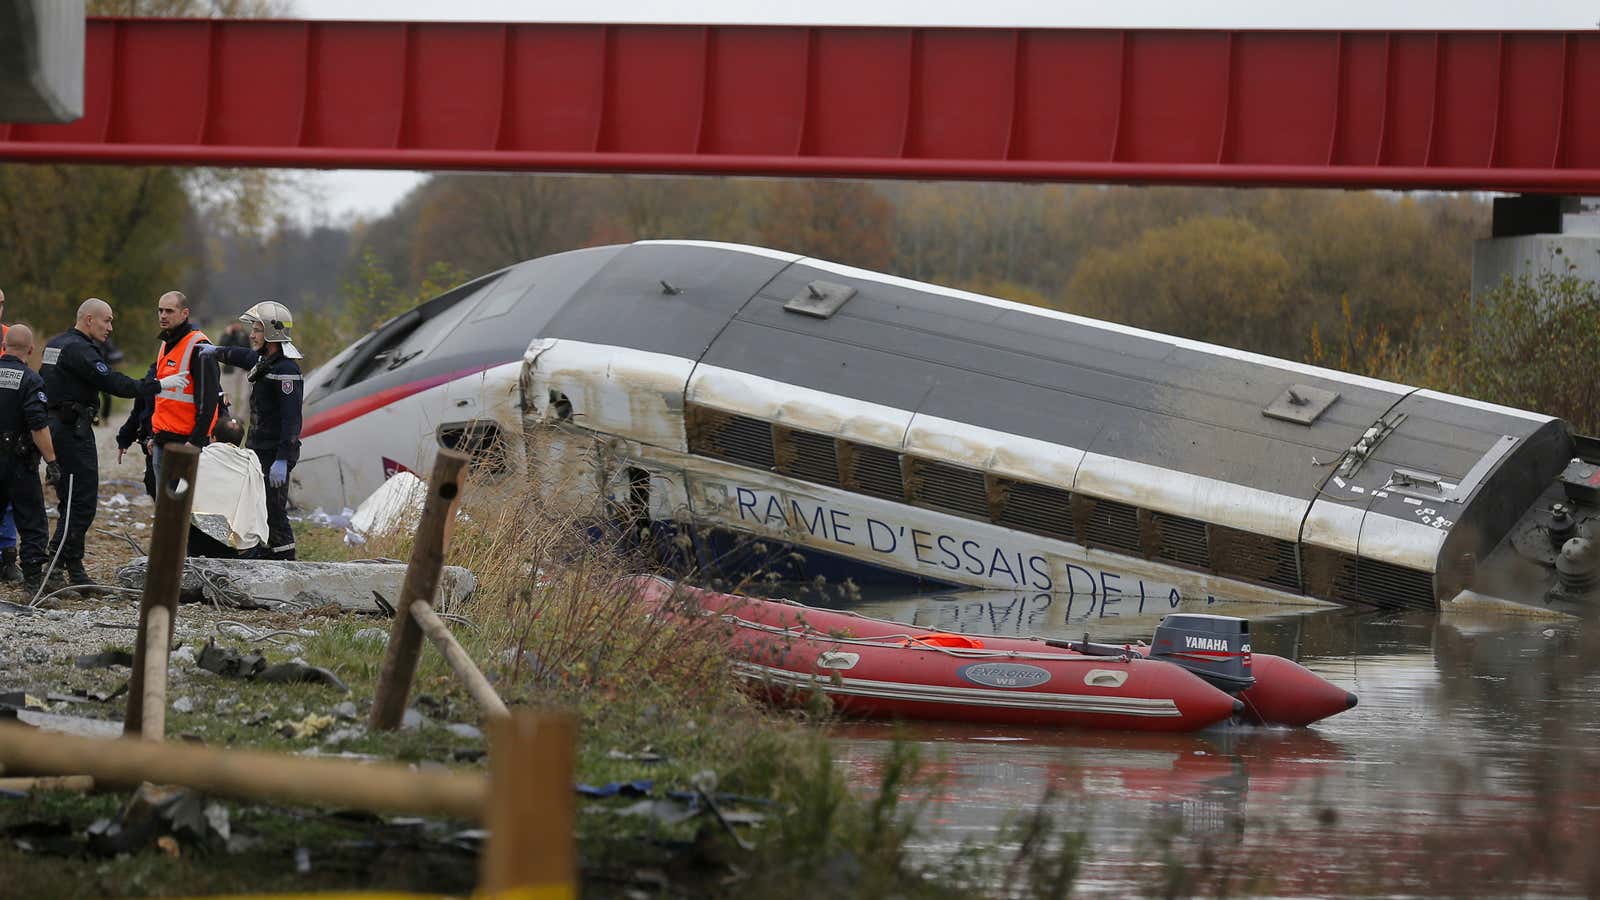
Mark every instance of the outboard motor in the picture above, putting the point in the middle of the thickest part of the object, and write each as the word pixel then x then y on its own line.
pixel 1217 648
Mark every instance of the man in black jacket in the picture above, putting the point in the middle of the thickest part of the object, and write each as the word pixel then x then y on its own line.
pixel 74 374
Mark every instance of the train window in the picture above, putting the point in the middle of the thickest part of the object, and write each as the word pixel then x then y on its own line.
pixel 1180 540
pixel 1035 508
pixel 806 454
pixel 1107 523
pixel 729 436
pixel 947 488
pixel 1255 557
pixel 870 470
pixel 412 334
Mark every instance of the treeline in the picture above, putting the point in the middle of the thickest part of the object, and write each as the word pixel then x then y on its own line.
pixel 1370 282
pixel 1259 269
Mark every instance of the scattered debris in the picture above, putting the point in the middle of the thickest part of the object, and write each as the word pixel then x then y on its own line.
pixel 234 664
pixel 182 815
pixel 463 730
pixel 228 661
pixel 300 673
pixel 645 756
pixel 183 705
pixel 20 700
pixel 637 788
pixel 105 660
pixel 376 635
pixel 311 726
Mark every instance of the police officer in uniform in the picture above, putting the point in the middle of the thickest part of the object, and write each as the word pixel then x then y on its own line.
pixel 24 439
pixel 74 375
pixel 276 392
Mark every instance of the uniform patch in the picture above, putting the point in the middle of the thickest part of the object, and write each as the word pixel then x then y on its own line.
pixel 42 398
pixel 10 379
pixel 101 368
pixel 51 354
pixel 288 387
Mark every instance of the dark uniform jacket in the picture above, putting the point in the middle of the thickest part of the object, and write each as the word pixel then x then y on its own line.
pixel 137 428
pixel 75 373
pixel 22 405
pixel 276 393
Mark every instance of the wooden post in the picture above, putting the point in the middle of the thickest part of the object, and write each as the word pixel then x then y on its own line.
pixel 530 807
pixel 422 583
pixel 158 637
pixel 465 669
pixel 249 774
pixel 76 784
pixel 169 544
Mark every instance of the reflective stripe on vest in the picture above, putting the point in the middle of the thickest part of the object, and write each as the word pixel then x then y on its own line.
pixel 174 412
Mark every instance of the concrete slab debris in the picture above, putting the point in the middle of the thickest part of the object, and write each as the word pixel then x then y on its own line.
pixel 279 583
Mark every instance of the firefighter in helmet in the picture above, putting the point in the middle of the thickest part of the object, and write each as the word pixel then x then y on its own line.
pixel 276 394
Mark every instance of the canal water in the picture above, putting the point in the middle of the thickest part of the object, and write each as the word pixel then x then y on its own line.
pixel 1471 765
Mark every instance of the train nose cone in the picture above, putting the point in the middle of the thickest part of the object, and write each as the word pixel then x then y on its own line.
pixel 1350 701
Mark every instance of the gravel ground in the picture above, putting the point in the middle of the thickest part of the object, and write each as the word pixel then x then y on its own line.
pixel 32 639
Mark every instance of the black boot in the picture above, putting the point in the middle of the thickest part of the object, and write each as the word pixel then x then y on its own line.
pixel 9 571
pixel 77 576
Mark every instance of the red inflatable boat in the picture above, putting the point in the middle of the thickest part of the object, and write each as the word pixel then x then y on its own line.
pixel 881 669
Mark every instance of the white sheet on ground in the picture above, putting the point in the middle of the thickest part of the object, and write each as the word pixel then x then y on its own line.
pixel 229 488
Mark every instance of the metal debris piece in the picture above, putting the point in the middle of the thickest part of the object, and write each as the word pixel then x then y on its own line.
pixel 228 661
pixel 104 660
pixel 300 673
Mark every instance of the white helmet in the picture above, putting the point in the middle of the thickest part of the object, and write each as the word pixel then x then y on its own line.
pixel 275 321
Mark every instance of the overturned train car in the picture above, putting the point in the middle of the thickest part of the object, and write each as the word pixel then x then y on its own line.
pixel 820 419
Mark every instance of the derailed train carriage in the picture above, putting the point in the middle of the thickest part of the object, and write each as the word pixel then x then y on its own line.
pixel 843 421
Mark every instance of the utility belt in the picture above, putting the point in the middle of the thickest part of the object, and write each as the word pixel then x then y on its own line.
pixel 71 412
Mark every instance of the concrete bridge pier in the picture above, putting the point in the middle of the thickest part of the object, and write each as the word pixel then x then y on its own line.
pixel 1535 233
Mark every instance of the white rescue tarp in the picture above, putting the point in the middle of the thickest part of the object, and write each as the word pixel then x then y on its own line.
pixel 396 505
pixel 230 497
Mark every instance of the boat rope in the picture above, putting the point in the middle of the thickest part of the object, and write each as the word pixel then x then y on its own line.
pixel 897 641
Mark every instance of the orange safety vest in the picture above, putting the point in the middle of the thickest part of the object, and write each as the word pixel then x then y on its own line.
pixel 174 412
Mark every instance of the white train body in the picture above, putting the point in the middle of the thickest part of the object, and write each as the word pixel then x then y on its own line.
pixel 813 418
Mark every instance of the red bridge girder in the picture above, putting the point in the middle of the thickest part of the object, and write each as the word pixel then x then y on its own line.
pixel 1386 109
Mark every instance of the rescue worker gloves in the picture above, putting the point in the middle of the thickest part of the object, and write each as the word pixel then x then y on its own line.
pixel 208 350
pixel 279 473
pixel 175 382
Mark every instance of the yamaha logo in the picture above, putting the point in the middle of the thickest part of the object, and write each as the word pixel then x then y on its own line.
pixel 1204 643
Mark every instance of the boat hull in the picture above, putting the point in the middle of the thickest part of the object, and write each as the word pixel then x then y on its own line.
pixel 876 668
pixel 871 668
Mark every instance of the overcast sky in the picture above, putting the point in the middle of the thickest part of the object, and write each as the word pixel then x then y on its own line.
pixel 343 194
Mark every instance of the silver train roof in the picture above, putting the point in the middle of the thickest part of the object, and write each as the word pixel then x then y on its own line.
pixel 1086 384
pixel 1111 392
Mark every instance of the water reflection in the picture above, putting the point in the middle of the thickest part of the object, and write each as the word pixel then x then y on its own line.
pixel 1468 766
